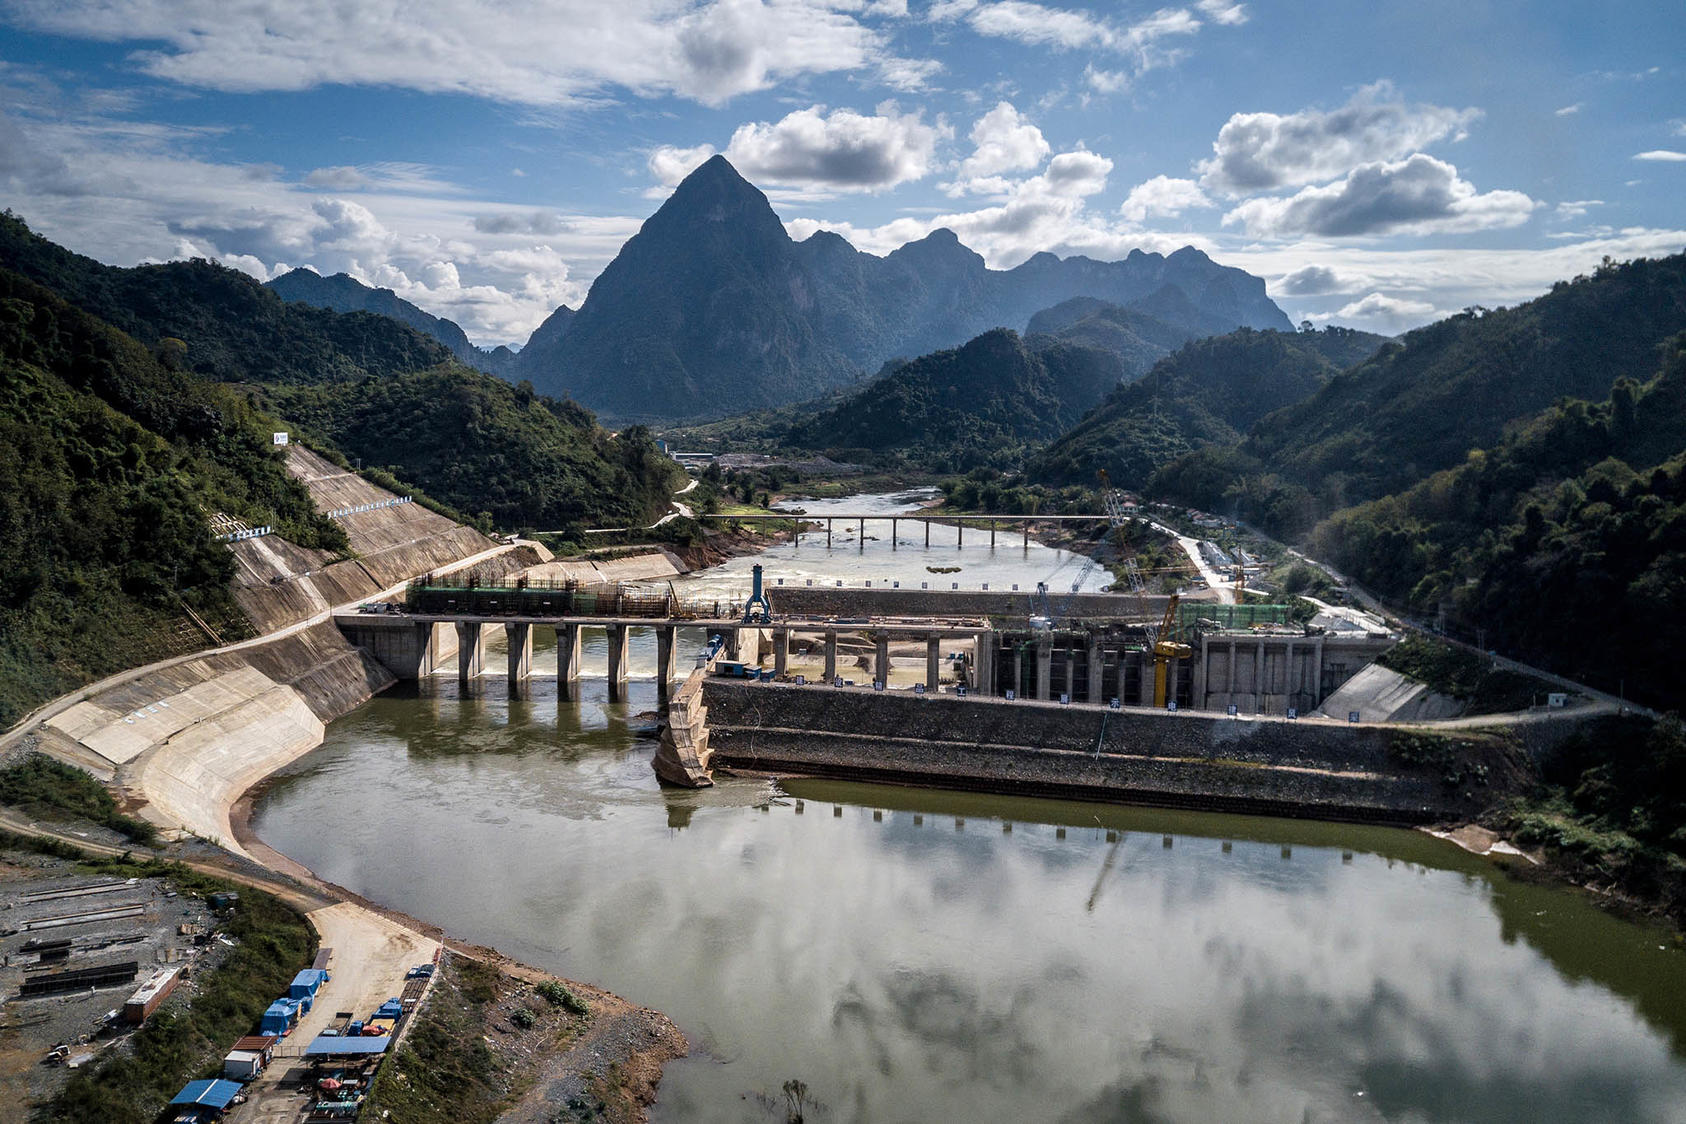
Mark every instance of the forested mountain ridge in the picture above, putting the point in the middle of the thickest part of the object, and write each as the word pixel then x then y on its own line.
pixel 1208 392
pixel 371 387
pixel 231 328
pixel 981 404
pixel 713 308
pixel 491 450
pixel 111 463
pixel 1423 401
pixel 343 293
pixel 1566 542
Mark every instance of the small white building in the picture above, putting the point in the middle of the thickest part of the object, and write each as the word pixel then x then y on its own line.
pixel 242 1065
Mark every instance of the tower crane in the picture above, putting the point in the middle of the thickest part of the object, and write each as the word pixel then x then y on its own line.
pixel 1165 650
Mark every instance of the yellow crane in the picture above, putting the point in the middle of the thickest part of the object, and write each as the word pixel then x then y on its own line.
pixel 1165 650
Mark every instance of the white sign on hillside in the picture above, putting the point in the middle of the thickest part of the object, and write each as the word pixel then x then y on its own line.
pixel 280 438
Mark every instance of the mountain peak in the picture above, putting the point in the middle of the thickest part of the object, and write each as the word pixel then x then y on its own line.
pixel 941 245
pixel 716 179
pixel 715 195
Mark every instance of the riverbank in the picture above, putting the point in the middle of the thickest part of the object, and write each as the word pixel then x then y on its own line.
pixel 187 743
pixel 498 1041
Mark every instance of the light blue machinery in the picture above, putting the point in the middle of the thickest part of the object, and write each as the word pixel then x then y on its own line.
pixel 757 610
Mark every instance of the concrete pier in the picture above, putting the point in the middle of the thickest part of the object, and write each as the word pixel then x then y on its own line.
pixel 567 660
pixel 617 634
pixel 1044 666
pixel 983 663
pixel 933 662
pixel 665 637
pixel 830 654
pixel 471 652
pixel 520 638
pixel 881 662
pixel 781 650
pixel 1097 670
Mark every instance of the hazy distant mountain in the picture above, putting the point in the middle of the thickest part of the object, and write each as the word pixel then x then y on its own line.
pixel 344 293
pixel 712 308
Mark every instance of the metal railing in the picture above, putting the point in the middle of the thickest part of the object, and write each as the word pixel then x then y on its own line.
pixel 566 598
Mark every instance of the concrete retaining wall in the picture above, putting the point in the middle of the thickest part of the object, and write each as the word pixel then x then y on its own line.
pixel 277 583
pixel 185 741
pixel 1143 756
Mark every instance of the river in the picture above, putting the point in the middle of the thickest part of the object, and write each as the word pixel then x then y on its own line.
pixel 961 557
pixel 914 955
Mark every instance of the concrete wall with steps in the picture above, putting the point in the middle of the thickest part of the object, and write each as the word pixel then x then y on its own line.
pixel 1186 758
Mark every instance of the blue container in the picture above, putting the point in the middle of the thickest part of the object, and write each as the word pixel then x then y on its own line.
pixel 306 983
pixel 279 1018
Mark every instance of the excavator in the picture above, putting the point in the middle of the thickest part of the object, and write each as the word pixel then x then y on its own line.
pixel 1164 651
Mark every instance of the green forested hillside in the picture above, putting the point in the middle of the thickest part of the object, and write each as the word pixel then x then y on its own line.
pixel 1566 542
pixel 1422 402
pixel 984 403
pixel 1207 392
pixel 226 326
pixel 465 438
pixel 110 464
pixel 483 446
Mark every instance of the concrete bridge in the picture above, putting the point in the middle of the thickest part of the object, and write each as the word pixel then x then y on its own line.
pixel 414 645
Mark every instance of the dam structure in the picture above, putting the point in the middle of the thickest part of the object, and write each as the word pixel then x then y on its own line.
pixel 1097 650
pixel 1002 700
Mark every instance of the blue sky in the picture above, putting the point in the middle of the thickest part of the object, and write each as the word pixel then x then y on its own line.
pixel 1379 165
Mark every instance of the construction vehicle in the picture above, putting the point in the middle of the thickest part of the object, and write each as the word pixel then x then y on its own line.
pixel 1165 650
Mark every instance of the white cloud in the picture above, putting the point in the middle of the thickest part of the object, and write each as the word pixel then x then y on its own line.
pixel 1310 281
pixel 1073 175
pixel 1264 151
pixel 671 163
pixel 908 75
pixel 1105 81
pixel 1419 195
pixel 339 178
pixel 1447 277
pixel 127 195
pixel 1003 141
pixel 555 53
pixel 1575 208
pixel 1064 29
pixel 1570 110
pixel 1048 211
pixel 1661 155
pixel 1378 312
pixel 1222 11
pixel 819 151
pixel 1162 197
